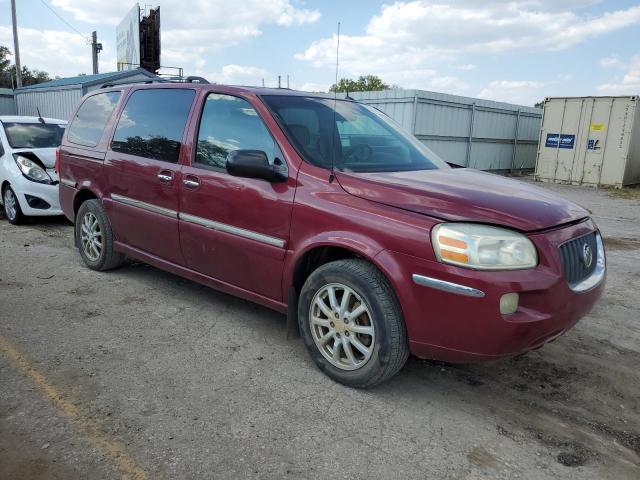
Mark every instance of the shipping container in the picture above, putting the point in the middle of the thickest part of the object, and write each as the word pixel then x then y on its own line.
pixel 590 141
pixel 469 132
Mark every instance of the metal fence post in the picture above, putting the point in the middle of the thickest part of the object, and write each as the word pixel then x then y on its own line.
pixel 415 114
pixel 470 141
pixel 515 142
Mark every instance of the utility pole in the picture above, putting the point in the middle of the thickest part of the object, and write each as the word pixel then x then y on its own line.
pixel 16 48
pixel 95 49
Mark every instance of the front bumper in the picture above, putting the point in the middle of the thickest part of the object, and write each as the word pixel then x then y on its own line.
pixel 25 188
pixel 453 314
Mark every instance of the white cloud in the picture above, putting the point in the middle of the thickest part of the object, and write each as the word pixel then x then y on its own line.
pixel 629 84
pixel 192 29
pixel 96 11
pixel 239 75
pixel 612 62
pixel 464 66
pixel 314 87
pixel 55 52
pixel 525 92
pixel 405 37
pixel 522 92
pixel 198 14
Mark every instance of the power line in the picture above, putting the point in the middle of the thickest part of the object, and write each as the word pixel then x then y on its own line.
pixel 86 37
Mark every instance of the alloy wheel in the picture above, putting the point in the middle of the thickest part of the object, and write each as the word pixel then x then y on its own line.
pixel 341 326
pixel 10 204
pixel 91 237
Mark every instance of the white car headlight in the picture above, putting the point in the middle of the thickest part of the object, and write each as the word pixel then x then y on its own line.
pixel 32 170
pixel 482 247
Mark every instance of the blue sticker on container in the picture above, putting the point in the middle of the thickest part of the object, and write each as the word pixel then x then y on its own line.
pixel 566 141
pixel 593 144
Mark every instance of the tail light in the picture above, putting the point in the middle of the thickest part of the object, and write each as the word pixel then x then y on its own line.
pixel 56 166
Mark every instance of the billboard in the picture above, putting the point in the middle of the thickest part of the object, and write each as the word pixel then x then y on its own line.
pixel 128 40
pixel 150 40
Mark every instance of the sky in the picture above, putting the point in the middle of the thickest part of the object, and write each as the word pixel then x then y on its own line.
pixel 516 51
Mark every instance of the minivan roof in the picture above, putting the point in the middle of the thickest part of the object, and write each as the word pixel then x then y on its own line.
pixel 260 91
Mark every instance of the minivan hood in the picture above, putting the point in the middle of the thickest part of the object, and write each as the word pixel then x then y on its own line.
pixel 46 155
pixel 461 194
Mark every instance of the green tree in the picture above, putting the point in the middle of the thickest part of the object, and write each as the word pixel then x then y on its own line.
pixel 5 67
pixel 8 72
pixel 364 83
pixel 4 60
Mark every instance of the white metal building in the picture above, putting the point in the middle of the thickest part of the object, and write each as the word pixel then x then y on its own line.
pixel 590 141
pixel 59 98
pixel 7 102
pixel 469 132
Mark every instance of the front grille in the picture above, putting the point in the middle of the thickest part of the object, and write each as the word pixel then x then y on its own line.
pixel 572 254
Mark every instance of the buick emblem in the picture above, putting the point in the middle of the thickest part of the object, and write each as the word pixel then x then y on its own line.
pixel 587 255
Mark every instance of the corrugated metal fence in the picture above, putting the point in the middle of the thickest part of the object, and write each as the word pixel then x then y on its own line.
pixel 7 102
pixel 470 132
pixel 58 103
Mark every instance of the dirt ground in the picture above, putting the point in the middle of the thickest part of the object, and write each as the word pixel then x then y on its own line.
pixel 138 373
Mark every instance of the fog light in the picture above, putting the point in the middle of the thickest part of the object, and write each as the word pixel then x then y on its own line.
pixel 509 303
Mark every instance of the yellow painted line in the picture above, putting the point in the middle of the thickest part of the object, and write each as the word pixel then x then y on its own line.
pixel 89 428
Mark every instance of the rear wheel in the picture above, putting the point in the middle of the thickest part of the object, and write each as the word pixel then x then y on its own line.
pixel 12 209
pixel 352 324
pixel 94 237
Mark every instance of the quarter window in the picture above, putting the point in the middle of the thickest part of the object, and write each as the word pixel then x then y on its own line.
pixel 152 123
pixel 230 123
pixel 87 126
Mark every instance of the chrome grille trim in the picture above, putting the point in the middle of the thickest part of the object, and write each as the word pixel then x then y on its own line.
pixel 579 277
pixel 447 286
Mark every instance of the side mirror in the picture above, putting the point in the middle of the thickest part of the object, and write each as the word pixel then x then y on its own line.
pixel 255 164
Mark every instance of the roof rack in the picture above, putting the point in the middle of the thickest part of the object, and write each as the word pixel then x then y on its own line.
pixel 190 79
pixel 195 79
pixel 132 82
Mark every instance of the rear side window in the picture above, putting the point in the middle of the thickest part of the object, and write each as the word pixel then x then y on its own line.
pixel 152 123
pixel 87 126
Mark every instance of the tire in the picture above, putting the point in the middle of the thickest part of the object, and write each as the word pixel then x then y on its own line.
pixel 12 209
pixel 94 237
pixel 386 347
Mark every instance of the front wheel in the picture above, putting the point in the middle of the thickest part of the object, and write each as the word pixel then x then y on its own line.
pixel 94 237
pixel 12 209
pixel 352 324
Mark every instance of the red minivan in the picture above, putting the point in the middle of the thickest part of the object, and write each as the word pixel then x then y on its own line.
pixel 324 209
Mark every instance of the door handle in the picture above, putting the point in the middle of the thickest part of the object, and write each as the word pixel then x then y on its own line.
pixel 165 176
pixel 191 182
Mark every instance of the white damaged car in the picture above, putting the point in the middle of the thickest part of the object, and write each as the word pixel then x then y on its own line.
pixel 28 181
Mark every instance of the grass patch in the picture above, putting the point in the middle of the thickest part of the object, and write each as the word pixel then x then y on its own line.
pixel 630 193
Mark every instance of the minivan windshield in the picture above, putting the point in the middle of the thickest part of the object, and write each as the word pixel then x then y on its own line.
pixel 356 137
pixel 33 135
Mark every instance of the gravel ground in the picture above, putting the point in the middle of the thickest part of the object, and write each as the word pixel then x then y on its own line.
pixel 138 373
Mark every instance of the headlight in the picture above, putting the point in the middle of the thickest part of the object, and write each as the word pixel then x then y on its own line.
pixel 482 247
pixel 32 170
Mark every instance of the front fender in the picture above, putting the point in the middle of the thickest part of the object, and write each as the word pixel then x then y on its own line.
pixel 361 245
